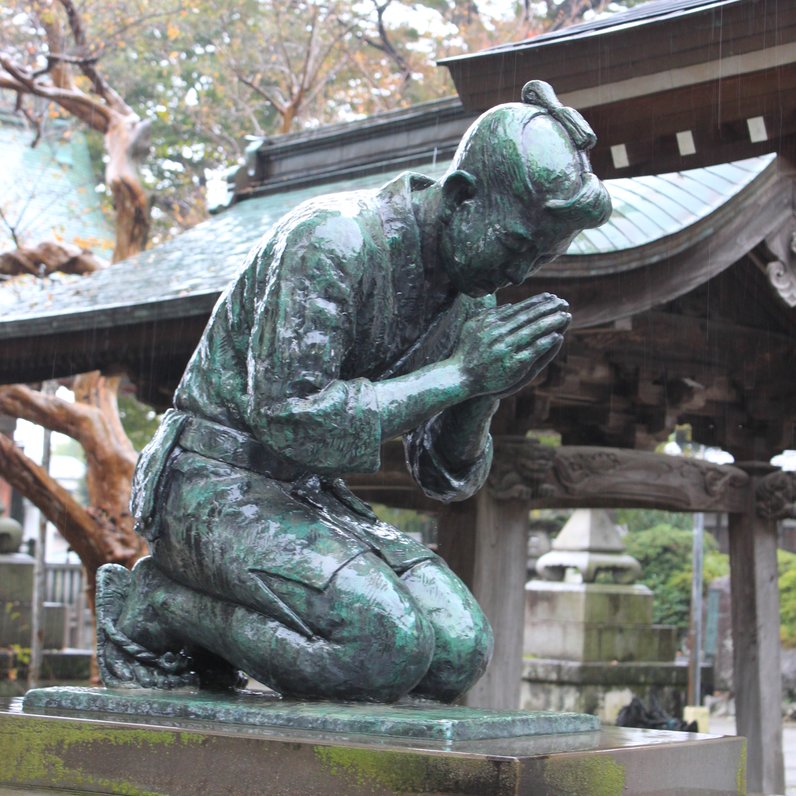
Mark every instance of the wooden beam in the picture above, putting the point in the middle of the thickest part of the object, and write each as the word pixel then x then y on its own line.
pixel 716 115
pixel 684 261
pixel 648 50
pixel 700 70
pixel 577 476
pixel 584 476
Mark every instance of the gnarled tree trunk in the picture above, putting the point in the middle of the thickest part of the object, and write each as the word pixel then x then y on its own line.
pixel 101 532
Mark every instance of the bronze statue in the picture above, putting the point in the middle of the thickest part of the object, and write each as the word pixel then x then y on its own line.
pixel 359 317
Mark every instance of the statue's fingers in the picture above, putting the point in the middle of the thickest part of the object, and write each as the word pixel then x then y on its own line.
pixel 532 304
pixel 524 335
pixel 549 348
pixel 530 315
pixel 537 357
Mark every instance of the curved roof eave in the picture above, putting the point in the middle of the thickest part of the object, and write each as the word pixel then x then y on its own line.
pixel 610 287
pixel 660 216
pixel 183 277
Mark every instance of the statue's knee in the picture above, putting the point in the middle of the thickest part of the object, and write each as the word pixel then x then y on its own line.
pixel 462 657
pixel 463 636
pixel 388 639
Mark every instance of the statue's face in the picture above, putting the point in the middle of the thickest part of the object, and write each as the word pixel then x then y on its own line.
pixel 500 235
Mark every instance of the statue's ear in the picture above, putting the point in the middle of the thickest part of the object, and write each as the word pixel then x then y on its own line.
pixel 457 187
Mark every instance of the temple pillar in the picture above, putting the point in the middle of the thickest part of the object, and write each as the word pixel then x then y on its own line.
pixel 499 575
pixel 755 624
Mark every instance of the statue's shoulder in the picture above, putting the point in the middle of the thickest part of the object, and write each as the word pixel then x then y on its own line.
pixel 336 224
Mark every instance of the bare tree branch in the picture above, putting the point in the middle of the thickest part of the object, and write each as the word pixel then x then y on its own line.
pixel 98 83
pixel 280 107
pixel 55 58
pixel 76 524
pixel 19 400
pixel 12 230
pixel 384 44
pixel 88 110
pixel 47 258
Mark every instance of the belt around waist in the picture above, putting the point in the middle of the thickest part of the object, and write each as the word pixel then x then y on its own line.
pixel 233 447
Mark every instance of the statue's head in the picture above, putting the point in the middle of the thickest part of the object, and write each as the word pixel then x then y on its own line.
pixel 518 190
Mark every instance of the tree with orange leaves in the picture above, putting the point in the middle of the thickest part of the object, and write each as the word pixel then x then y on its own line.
pixel 66 75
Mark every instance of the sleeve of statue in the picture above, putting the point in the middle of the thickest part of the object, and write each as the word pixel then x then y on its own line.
pixel 434 474
pixel 298 406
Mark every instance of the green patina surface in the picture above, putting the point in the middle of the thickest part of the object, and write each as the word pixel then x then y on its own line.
pixel 49 753
pixel 358 318
pixel 596 776
pixel 409 719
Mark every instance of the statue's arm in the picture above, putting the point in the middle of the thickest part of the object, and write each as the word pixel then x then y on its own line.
pixel 300 407
pixel 338 427
pixel 450 455
pixel 461 436
pixel 502 350
pixel 303 332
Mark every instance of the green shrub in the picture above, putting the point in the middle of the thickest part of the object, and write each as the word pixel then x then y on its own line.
pixel 787 597
pixel 664 553
pixel 644 519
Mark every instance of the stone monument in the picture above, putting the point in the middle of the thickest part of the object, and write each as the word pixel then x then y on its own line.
pixel 591 646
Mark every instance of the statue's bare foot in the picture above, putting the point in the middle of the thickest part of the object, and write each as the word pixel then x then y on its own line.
pixel 122 661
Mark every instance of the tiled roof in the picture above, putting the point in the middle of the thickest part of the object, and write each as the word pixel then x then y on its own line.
pixel 190 270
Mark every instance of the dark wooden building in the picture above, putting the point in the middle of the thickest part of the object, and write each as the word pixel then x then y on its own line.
pixel 683 304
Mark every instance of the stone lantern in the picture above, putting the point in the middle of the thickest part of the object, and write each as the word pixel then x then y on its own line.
pixel 10 533
pixel 590 544
pixel 591 646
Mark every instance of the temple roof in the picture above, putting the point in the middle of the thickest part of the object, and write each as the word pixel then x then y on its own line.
pixel 653 12
pixel 185 275
pixel 683 305
pixel 667 85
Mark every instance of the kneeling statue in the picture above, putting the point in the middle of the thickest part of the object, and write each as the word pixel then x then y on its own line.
pixel 358 317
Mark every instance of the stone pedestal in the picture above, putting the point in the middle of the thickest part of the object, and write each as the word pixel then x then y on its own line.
pixel 592 647
pixel 96 753
pixel 604 688
pixel 594 622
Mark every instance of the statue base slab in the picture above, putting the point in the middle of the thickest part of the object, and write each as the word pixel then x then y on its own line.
pixel 93 752
pixel 407 719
